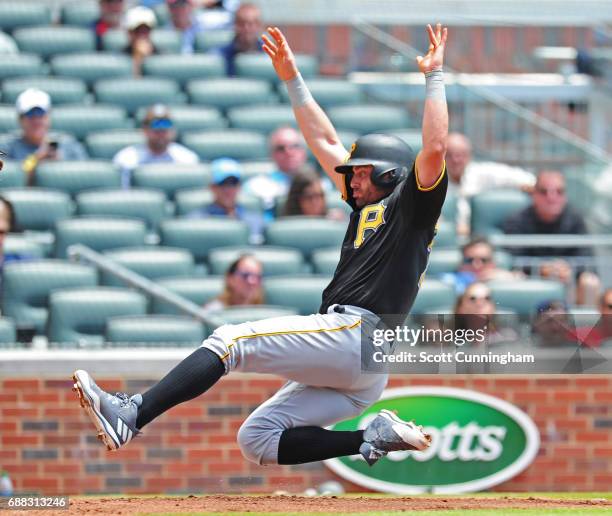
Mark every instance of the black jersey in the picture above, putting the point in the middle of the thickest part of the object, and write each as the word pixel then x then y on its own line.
pixel 386 248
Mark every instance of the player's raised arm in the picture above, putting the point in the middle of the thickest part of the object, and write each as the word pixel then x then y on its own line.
pixel 430 160
pixel 316 127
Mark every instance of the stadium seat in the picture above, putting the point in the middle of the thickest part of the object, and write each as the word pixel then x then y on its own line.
pixel 61 89
pixel 303 293
pixel 275 260
pixel 443 260
pixel 23 14
pixel 105 144
pixel 254 168
pixel 263 119
pixel 230 92
pixel 184 67
pixel 433 295
pixel 201 235
pixel 154 331
pixel 132 94
pixel 70 119
pixel 12 175
pixel 365 118
pixel 26 286
pixel 49 41
pixel 449 208
pixel 244 313
pixel 172 177
pixel 38 208
pixel 305 233
pixel 412 137
pixel 446 235
pixel 231 143
pixel 136 203
pixel 152 262
pixel 330 92
pixel 192 118
pixel 325 260
pixel 210 39
pixel 258 66
pixel 91 67
pixel 73 177
pixel 78 316
pixel 166 41
pixel 19 65
pixel 491 208
pixel 191 199
pixel 81 14
pixel 198 290
pixel 98 233
pixel 16 243
pixel 525 295
pixel 8 333
pixel 8 119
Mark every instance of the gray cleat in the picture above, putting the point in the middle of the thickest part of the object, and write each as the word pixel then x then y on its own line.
pixel 387 432
pixel 113 415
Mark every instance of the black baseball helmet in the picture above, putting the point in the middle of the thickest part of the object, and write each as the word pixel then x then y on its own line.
pixel 390 156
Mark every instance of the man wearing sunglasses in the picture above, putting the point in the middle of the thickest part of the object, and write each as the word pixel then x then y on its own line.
pixel 159 147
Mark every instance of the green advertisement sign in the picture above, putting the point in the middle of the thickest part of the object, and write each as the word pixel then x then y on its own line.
pixel 478 441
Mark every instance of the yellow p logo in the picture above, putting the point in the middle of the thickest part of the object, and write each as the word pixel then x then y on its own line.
pixel 371 217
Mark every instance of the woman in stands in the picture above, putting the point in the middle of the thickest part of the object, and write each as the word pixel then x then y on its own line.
pixel 307 197
pixel 242 285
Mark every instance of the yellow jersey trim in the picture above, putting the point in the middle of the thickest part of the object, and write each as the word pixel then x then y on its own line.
pixel 429 188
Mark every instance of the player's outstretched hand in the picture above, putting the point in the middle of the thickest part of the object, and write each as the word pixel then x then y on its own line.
pixel 434 59
pixel 280 53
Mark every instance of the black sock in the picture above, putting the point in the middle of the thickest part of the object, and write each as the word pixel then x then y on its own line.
pixel 190 378
pixel 311 443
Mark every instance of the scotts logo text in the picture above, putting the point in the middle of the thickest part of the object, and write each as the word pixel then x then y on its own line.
pixel 478 441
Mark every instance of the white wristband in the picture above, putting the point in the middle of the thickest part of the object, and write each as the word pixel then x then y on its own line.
pixel 434 85
pixel 299 94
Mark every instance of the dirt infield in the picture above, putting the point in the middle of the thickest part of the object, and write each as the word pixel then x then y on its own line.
pixel 296 504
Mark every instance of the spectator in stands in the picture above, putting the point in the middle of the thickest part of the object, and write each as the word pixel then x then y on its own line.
pixel 184 20
pixel 306 197
pixel 7 225
pixel 111 17
pixel 217 14
pixel 225 187
pixel 242 285
pixel 159 147
pixel 35 143
pixel 247 30
pixel 468 178
pixel 550 214
pixel 139 22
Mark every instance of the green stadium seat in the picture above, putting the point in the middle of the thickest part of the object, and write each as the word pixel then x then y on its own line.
pixel 302 293
pixel 184 67
pixel 26 287
pixel 254 168
pixel 192 118
pixel 491 208
pixel 263 119
pixel 19 65
pixel 259 66
pixel 166 41
pixel 231 143
pixel 449 208
pixel 50 41
pixel 8 118
pixel 189 200
pixel 210 39
pixel 61 90
pixel 78 316
pixel 305 233
pixel 230 92
pixel 105 144
pixel 446 235
pixel 81 14
pixel 524 296
pixel 366 118
pixel 8 333
pixel 330 92
pixel 198 290
pixel 17 243
pixel 325 260
pixel 12 175
pixel 245 313
pixel 38 208
pixel 92 67
pixel 275 260
pixel 23 14
pixel 162 13
pixel 132 94
pixel 154 331
pixel 443 260
pixel 200 236
pixel 433 295
pixel 73 177
pixel 412 137
pixel 137 203
pixel 152 262
pixel 172 177
pixel 70 119
pixel 100 234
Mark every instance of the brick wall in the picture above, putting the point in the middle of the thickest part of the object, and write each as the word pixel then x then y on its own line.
pixel 48 446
